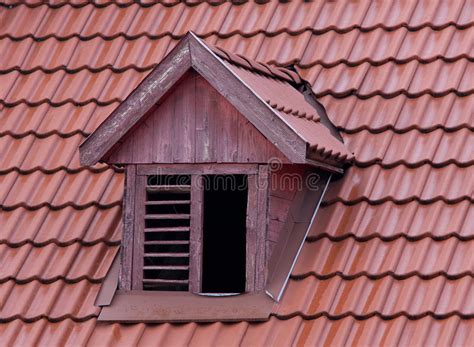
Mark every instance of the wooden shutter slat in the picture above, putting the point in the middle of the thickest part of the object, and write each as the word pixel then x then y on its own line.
pixel 167 216
pixel 163 281
pixel 168 202
pixel 166 229
pixel 166 267
pixel 177 242
pixel 169 189
pixel 166 255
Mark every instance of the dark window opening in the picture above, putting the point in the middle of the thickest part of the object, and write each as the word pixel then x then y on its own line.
pixel 167 228
pixel 224 229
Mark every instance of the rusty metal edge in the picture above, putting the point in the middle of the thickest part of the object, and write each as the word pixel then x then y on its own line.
pixel 109 286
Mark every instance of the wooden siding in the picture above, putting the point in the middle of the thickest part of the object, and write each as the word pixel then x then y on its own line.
pixel 126 251
pixel 195 124
pixel 283 186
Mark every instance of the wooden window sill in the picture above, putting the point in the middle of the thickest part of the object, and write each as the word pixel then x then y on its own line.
pixel 149 306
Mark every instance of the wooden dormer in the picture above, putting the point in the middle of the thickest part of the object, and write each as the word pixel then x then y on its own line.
pixel 192 241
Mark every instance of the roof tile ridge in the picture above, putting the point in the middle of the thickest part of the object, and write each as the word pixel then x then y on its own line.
pixel 279 73
pixel 58 243
pixel 413 164
pixel 390 238
pixel 121 4
pixel 52 243
pixel 396 201
pixel 296 113
pixel 57 319
pixel 371 314
pixel 406 129
pixel 59 103
pixel 59 168
pixel 43 135
pixel 381 275
pixel 322 151
pixel 50 280
pixel 238 32
pixel 75 206
pixel 389 95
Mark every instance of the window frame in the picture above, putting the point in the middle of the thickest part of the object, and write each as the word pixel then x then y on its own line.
pixel 131 270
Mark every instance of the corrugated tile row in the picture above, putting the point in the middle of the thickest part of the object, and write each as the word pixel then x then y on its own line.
pixel 247 19
pixel 45 120
pixel 352 48
pixel 95 55
pixel 388 221
pixel 329 49
pixel 52 262
pixel 60 88
pixel 413 148
pixel 295 331
pixel 402 184
pixel 377 114
pixel 51 154
pixel 386 297
pixel 56 301
pixel 62 227
pixel 61 189
pixel 376 259
pixel 391 79
pixel 437 78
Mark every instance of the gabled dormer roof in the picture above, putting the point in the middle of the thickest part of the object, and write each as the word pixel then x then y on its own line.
pixel 272 99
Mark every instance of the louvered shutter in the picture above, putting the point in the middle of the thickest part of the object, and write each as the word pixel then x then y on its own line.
pixel 167 233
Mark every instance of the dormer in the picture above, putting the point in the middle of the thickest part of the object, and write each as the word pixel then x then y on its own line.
pixel 226 163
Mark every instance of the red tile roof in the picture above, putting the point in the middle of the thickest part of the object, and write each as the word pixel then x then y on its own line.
pixel 389 260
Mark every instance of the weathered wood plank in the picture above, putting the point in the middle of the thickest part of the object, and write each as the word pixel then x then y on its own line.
pixel 206 106
pixel 279 208
pixel 143 140
pixel 251 235
pixel 274 229
pixel 184 127
pixel 166 229
pixel 139 235
pixel 262 222
pixel 195 248
pixel 126 250
pixel 252 144
pixel 226 132
pixel 162 135
pixel 176 169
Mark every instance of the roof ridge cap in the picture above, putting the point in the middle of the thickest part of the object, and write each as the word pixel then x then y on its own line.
pixel 276 72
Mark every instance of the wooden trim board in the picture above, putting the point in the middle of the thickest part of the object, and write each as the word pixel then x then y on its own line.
pixel 200 169
pixel 126 251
